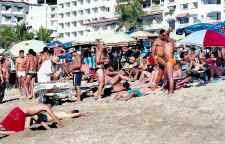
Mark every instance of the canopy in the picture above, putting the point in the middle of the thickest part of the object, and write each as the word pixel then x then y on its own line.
pixel 204 38
pixel 117 39
pixel 36 45
pixel 54 43
pixel 141 35
pixel 194 28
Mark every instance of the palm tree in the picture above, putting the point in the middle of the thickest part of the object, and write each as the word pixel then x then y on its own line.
pixel 24 32
pixel 44 35
pixel 130 14
pixel 7 36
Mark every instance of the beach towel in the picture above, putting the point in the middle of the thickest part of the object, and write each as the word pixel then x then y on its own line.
pixel 14 121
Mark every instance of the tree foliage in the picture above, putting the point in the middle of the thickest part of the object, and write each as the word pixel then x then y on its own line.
pixel 130 13
pixel 9 35
pixel 44 35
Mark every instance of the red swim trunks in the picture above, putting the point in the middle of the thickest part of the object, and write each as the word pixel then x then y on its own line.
pixel 14 121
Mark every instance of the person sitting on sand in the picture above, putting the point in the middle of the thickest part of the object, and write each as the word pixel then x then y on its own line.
pixel 135 93
pixel 15 120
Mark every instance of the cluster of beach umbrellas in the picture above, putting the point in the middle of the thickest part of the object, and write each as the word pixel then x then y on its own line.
pixel 114 38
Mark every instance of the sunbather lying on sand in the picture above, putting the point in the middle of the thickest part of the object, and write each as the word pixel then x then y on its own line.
pixel 135 93
pixel 15 120
pixel 42 118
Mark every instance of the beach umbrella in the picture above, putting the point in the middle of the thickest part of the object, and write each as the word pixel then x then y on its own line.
pixel 140 35
pixel 195 28
pixel 204 38
pixel 54 44
pixel 117 39
pixel 36 45
pixel 175 36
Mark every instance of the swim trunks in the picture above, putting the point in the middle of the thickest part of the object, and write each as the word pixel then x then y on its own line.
pixel 172 60
pixel 137 91
pixel 32 74
pixel 77 77
pixel 21 73
pixel 42 118
pixel 14 121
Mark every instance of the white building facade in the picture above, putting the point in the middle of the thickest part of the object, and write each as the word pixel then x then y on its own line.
pixel 183 13
pixel 76 18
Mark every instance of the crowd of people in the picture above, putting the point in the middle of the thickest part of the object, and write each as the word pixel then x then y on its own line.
pixel 164 65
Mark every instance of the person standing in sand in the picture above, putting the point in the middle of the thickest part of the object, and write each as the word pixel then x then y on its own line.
pixel 31 73
pixel 162 51
pixel 77 75
pixel 100 68
pixel 21 70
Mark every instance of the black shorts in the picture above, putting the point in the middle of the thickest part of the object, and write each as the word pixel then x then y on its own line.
pixel 77 77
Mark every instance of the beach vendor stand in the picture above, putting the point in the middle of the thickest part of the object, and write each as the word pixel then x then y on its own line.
pixel 53 92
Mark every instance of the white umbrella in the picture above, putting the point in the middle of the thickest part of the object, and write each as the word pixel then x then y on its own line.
pixel 36 45
pixel 141 35
pixel 116 39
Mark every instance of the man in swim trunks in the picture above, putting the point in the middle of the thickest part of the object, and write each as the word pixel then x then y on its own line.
pixel 162 51
pixel 15 120
pixel 21 70
pixel 77 75
pixel 100 67
pixel 31 73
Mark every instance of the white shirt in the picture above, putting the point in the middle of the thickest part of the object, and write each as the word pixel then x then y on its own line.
pixel 45 71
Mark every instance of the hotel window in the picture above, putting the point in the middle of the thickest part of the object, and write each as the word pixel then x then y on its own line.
pixel 61 6
pixel 68 4
pixel 74 13
pixel 107 9
pixel 184 20
pixel 52 9
pixel 74 34
pixel 74 3
pixel 74 23
pixel 195 5
pixel 81 12
pixel 88 11
pixel 95 10
pixel 184 6
pixel 88 1
pixel 81 22
pixel 68 14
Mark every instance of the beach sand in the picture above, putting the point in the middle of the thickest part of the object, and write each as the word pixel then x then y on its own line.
pixel 191 116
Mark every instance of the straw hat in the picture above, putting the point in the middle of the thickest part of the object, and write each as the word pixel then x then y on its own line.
pixel 55 59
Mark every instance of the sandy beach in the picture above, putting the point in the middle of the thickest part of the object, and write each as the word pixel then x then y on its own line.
pixel 191 116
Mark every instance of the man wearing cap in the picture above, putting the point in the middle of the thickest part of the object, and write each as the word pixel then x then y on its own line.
pixel 75 69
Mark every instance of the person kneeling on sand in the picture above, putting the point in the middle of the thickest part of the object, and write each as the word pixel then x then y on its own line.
pixel 15 120
pixel 135 93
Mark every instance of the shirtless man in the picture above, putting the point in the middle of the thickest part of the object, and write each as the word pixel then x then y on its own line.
pixel 100 67
pixel 162 51
pixel 15 121
pixel 2 81
pixel 77 75
pixel 21 69
pixel 43 57
pixel 31 73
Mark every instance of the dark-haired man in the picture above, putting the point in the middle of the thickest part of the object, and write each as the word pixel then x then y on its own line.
pixel 77 75
pixel 162 51
pixel 44 56
pixel 31 73
pixel 21 70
